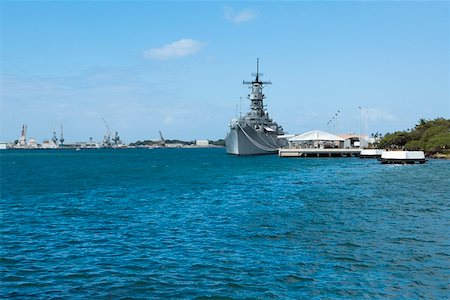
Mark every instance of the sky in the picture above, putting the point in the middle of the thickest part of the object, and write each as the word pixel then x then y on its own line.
pixel 178 67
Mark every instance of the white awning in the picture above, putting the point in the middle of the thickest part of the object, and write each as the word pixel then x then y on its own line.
pixel 316 135
pixel 286 136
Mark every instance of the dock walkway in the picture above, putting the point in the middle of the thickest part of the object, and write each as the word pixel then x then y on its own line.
pixel 318 152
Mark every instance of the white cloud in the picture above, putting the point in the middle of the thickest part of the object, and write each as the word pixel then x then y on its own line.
pixel 181 48
pixel 240 16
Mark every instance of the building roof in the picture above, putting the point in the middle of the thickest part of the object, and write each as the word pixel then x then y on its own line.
pixel 315 135
pixel 353 136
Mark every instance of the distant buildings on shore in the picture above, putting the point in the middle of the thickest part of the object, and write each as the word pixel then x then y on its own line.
pixel 109 141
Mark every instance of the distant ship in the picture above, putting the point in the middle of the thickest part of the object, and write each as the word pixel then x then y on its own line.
pixel 255 133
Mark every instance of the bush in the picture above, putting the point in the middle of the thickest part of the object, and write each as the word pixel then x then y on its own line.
pixel 439 143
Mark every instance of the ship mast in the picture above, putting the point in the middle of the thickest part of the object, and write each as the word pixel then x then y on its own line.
pixel 257 74
pixel 256 96
pixel 23 136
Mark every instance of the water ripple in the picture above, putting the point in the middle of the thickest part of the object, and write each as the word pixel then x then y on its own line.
pixel 180 223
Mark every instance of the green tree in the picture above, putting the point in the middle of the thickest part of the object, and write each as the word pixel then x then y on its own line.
pixel 395 140
pixel 414 145
pixel 431 136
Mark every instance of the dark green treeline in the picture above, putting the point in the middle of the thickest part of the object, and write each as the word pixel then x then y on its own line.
pixel 431 136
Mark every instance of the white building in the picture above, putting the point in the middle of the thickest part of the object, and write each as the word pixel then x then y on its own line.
pixel 32 143
pixel 46 144
pixel 316 139
pixel 355 141
pixel 202 143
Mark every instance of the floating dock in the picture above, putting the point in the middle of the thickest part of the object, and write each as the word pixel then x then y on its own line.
pixel 318 152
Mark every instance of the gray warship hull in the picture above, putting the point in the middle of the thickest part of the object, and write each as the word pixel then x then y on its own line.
pixel 244 140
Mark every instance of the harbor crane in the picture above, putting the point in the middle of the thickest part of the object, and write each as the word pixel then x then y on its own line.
pixel 61 140
pixel 107 139
pixel 116 138
pixel 162 141
pixel 54 138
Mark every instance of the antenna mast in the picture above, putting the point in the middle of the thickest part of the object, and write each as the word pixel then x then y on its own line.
pixel 23 136
pixel 257 75
pixel 257 69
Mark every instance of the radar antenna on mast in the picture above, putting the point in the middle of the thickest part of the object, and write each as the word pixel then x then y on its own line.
pixel 257 75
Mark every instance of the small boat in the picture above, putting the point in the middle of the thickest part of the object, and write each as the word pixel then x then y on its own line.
pixel 402 157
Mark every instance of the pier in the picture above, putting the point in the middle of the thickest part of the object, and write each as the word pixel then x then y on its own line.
pixel 318 152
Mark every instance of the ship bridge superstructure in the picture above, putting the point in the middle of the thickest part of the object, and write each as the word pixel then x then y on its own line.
pixel 258 117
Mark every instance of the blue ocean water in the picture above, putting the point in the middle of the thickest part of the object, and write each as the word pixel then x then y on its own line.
pixel 197 223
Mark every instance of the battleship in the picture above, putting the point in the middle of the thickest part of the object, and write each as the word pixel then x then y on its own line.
pixel 255 133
